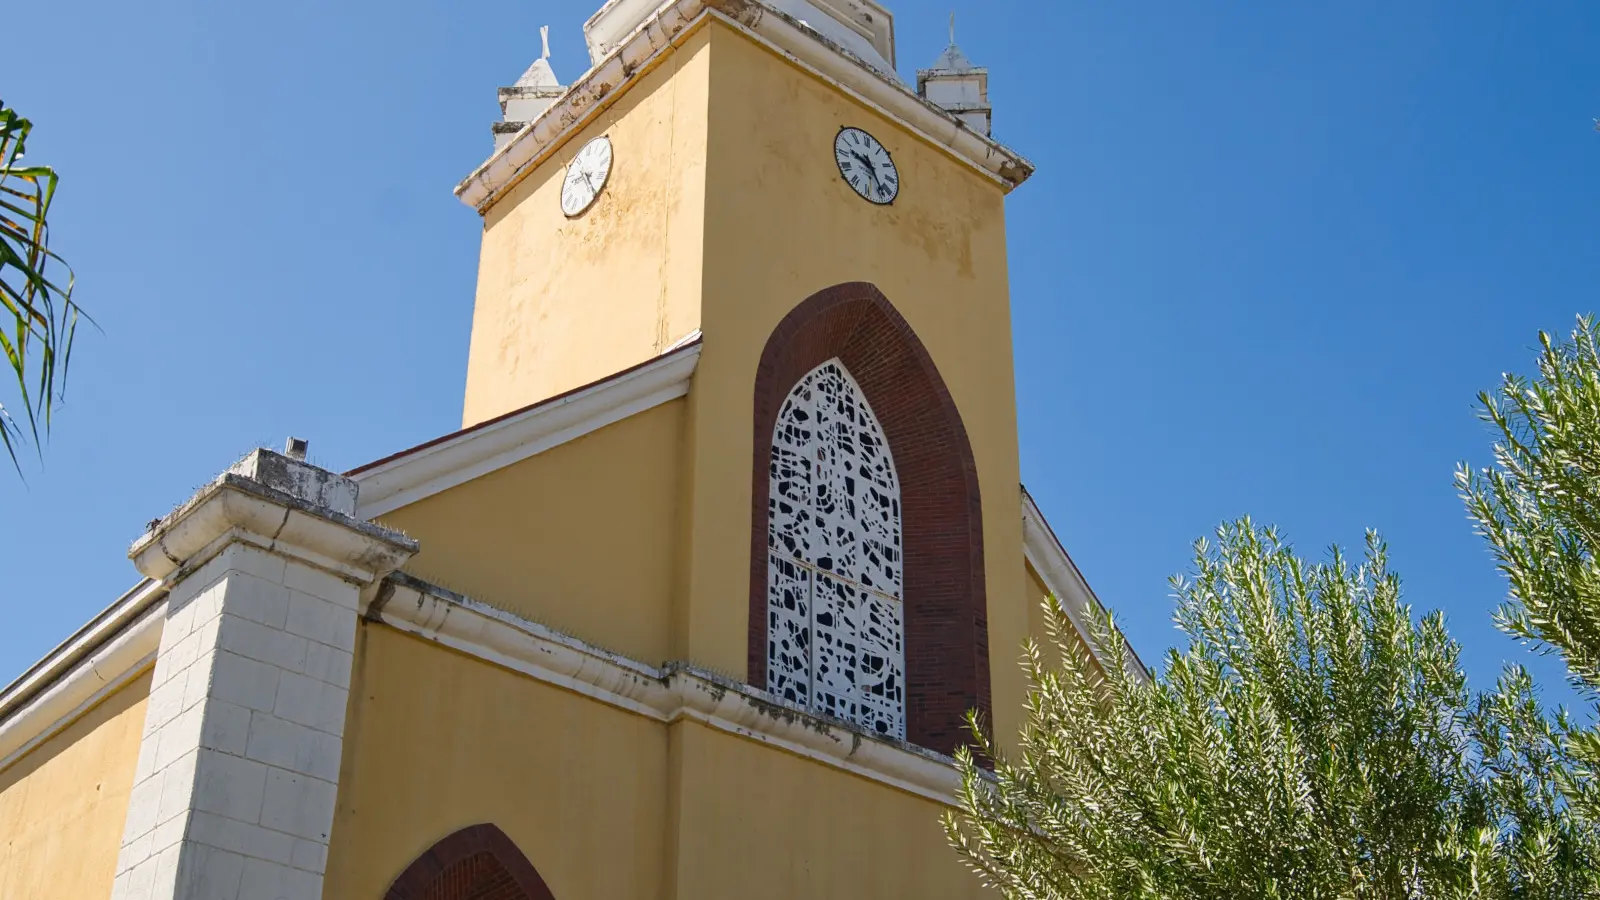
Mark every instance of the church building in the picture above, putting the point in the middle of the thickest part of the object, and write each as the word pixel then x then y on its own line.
pixel 696 602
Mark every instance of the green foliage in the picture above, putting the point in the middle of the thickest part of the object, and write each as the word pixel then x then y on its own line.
pixel 1312 741
pixel 1539 506
pixel 1529 842
pixel 1539 509
pixel 39 344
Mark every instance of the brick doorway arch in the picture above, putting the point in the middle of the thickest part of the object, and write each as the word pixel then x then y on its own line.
pixel 476 863
pixel 946 611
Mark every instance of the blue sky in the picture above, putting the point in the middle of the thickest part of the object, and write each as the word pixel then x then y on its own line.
pixel 1271 254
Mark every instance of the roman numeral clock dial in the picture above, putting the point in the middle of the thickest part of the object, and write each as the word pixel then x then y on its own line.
pixel 866 166
pixel 586 175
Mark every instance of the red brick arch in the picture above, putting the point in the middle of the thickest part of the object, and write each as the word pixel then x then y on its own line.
pixel 946 614
pixel 475 863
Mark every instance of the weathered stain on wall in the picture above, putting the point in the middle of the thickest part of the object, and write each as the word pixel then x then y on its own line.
pixel 564 302
pixel 725 210
pixel 781 224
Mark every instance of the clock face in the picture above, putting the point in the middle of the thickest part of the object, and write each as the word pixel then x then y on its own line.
pixel 586 175
pixel 866 166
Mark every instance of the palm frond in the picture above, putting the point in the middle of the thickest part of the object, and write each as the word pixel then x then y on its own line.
pixel 38 343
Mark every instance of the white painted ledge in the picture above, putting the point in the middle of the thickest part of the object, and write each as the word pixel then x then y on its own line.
pixel 238 509
pixel 671 693
pixel 118 646
pixel 672 24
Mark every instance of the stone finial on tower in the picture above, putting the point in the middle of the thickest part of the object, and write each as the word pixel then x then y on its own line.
pixel 958 86
pixel 530 96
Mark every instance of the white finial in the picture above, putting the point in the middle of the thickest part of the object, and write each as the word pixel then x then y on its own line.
pixel 544 38
pixel 952 29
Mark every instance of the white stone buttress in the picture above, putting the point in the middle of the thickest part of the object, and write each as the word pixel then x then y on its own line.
pixel 238 770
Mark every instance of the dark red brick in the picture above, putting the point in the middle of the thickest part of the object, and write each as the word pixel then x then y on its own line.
pixel 475 863
pixel 946 613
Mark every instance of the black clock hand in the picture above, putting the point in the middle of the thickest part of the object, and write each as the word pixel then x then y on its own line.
pixel 872 170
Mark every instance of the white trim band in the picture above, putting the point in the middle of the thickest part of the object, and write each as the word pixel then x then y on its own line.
pixel 1045 553
pixel 102 661
pixel 422 473
pixel 668 694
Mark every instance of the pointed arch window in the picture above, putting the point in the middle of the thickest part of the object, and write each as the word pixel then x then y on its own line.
pixel 835 617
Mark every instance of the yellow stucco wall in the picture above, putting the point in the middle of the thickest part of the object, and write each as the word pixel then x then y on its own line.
pixel 606 803
pixel 565 302
pixel 782 224
pixel 754 822
pixel 582 537
pixel 62 806
pixel 435 742
pixel 725 211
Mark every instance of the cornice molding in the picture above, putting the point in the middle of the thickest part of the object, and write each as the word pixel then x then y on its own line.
pixel 98 661
pixel 1045 553
pixel 667 694
pixel 66 655
pixel 418 474
pixel 238 509
pixel 666 29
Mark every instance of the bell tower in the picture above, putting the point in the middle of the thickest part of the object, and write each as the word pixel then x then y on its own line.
pixel 754 177
pixel 566 299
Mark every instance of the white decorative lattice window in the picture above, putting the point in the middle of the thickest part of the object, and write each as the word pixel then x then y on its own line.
pixel 835 623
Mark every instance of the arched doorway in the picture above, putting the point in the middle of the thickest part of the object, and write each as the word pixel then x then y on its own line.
pixel 475 863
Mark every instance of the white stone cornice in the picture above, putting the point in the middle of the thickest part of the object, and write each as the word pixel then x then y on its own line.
pixel 417 474
pixel 236 508
pixel 674 692
pixel 240 754
pixel 115 648
pixel 1061 576
pixel 861 28
pixel 668 27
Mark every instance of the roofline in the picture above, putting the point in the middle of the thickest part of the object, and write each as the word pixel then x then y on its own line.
pixel 1062 576
pixel 120 641
pixel 99 659
pixel 666 30
pixel 84 640
pixel 444 462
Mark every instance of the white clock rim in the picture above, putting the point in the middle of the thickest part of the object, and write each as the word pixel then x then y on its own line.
pixel 605 177
pixel 886 152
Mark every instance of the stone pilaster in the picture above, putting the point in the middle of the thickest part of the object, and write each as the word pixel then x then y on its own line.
pixel 238 770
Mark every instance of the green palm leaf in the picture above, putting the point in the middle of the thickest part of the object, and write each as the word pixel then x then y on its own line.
pixel 37 344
